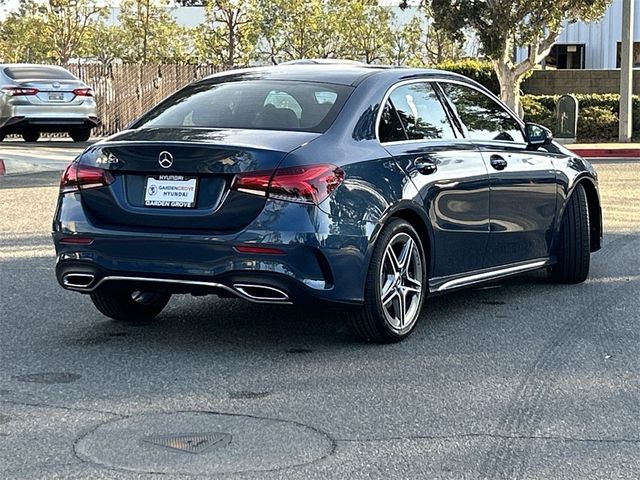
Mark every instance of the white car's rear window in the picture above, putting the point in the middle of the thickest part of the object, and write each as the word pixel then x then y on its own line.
pixel 37 72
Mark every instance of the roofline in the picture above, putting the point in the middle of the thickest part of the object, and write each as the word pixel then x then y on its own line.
pixel 366 69
pixel 360 73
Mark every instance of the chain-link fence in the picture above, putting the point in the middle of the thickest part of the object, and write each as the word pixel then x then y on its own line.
pixel 123 92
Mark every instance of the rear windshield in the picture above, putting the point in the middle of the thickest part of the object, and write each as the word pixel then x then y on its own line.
pixel 253 104
pixel 38 73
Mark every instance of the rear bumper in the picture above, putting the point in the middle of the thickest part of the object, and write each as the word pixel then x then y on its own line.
pixel 318 263
pixel 41 124
pixel 254 286
pixel 16 118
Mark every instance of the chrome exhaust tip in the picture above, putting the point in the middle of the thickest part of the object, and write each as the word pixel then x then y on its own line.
pixel 78 280
pixel 260 293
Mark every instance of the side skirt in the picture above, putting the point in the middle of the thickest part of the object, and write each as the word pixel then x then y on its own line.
pixel 467 279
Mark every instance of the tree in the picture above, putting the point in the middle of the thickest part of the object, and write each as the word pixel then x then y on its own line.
pixel 67 23
pixel 503 25
pixel 229 33
pixel 104 43
pixel 21 37
pixel 368 30
pixel 48 32
pixel 295 29
pixel 420 44
pixel 151 34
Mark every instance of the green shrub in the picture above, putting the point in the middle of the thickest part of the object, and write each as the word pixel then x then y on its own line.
pixel 597 123
pixel 597 114
pixel 480 71
pixel 537 110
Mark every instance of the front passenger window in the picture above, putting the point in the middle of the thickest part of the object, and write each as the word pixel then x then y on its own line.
pixel 484 118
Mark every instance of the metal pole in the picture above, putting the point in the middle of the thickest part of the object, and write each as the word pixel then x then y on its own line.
pixel 626 72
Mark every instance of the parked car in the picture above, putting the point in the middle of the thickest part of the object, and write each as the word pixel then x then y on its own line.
pixel 363 187
pixel 44 98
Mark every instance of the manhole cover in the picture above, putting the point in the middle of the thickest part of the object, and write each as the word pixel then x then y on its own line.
pixel 48 377
pixel 224 444
pixel 190 442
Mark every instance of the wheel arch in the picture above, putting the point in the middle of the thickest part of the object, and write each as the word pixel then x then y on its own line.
pixel 411 213
pixel 595 211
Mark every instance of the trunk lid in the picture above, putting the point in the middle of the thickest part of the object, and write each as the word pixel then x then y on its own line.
pixel 52 92
pixel 202 159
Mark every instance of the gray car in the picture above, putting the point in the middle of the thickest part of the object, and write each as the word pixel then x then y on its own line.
pixel 44 98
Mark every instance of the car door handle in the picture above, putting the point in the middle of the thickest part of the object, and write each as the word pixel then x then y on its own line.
pixel 425 166
pixel 498 162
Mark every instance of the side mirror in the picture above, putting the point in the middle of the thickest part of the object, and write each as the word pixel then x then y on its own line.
pixel 537 135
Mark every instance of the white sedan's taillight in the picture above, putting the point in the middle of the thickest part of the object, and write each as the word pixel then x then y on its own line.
pixel 83 92
pixel 18 91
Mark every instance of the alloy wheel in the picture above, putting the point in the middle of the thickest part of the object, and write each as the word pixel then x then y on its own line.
pixel 401 277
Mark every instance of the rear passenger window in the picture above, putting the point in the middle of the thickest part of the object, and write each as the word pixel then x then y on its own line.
pixel 38 72
pixel 420 112
pixel 391 129
pixel 484 118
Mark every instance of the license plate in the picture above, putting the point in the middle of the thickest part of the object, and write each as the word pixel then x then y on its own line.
pixel 56 97
pixel 174 191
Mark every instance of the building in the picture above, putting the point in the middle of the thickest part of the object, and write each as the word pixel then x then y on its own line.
pixel 593 45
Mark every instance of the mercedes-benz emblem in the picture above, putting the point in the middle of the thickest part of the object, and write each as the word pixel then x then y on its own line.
pixel 165 159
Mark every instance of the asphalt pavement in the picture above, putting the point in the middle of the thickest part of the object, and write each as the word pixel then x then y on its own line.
pixel 519 380
pixel 18 157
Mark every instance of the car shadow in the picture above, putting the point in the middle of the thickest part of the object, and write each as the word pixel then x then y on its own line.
pixel 209 324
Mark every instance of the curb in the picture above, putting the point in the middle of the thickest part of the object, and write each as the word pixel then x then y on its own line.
pixel 607 152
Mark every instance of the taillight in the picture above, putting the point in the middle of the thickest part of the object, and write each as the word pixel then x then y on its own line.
pixel 81 177
pixel 83 92
pixel 16 91
pixel 305 184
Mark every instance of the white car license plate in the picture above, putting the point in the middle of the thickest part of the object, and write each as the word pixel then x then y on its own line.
pixel 56 97
pixel 176 191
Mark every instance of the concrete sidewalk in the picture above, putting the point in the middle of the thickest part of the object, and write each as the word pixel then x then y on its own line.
pixel 20 158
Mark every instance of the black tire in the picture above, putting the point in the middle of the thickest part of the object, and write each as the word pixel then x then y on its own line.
pixel 2 135
pixel 31 136
pixel 123 306
pixel 80 134
pixel 372 322
pixel 574 245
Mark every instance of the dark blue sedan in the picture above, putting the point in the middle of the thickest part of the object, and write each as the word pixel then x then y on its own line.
pixel 365 187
